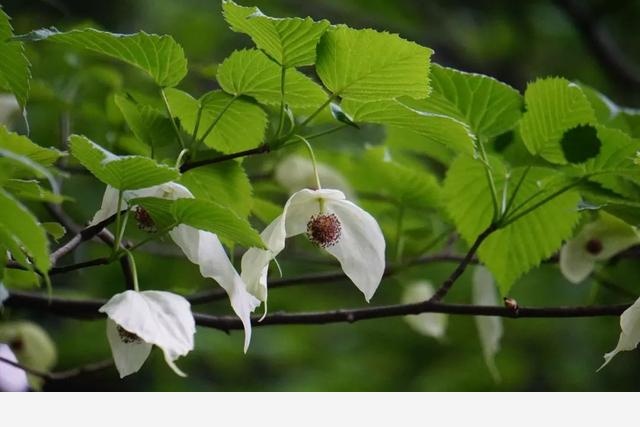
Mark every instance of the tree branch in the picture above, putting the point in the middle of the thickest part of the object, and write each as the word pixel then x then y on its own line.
pixel 264 148
pixel 62 375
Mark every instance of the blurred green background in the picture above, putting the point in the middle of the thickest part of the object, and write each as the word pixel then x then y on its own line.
pixel 515 42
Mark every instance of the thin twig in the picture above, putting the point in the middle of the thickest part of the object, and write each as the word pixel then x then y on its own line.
pixel 264 148
pixel 62 375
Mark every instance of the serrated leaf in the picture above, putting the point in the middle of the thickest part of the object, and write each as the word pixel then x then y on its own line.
pixel 554 105
pixel 24 230
pixel 514 250
pixel 368 65
pixel 252 73
pixel 120 172
pixel 31 190
pixel 289 41
pixel 488 106
pixel 203 215
pixel 149 125
pixel 239 124
pixel 159 210
pixel 23 146
pixel 434 127
pixel 159 56
pixel 224 183
pixel 611 114
pixel 15 70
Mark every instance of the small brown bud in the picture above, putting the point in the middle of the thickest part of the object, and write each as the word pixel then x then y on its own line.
pixel 511 304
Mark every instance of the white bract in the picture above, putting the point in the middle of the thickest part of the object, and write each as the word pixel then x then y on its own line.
pixel 429 324
pixel 8 107
pixel 200 247
pixel 296 172
pixel 597 241
pixel 484 292
pixel 139 320
pixel 11 377
pixel 340 227
pixel 630 335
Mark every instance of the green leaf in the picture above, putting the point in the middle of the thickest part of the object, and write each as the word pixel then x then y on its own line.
pixel 149 125
pixel 612 115
pixel 203 215
pixel 554 105
pixel 252 73
pixel 120 172
pixel 15 70
pixel 239 124
pixel 580 144
pixel 159 56
pixel 54 229
pixel 24 230
pixel 289 41
pixel 368 65
pixel 487 105
pixel 23 146
pixel 31 190
pixel 514 250
pixel 224 183
pixel 159 210
pixel 434 127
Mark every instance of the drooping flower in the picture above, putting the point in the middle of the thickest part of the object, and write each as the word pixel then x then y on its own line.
pixel 11 378
pixel 200 247
pixel 429 324
pixel 139 320
pixel 630 335
pixel 597 241
pixel 331 222
pixel 484 292
pixel 296 172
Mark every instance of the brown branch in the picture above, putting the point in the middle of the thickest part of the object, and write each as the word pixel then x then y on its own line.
pixel 601 44
pixel 62 375
pixel 264 148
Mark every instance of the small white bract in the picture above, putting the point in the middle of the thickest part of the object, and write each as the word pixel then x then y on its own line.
pixel 139 320
pixel 630 335
pixel 429 324
pixel 11 378
pixel 340 227
pixel 200 247
pixel 597 241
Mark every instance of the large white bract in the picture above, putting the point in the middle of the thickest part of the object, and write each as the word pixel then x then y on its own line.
pixel 11 377
pixel 343 229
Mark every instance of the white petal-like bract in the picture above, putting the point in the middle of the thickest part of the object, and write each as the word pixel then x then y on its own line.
pixel 630 335
pixel 489 327
pixel 429 324
pixel 11 377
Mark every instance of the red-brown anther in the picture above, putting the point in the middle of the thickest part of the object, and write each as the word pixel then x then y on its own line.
pixel 144 220
pixel 324 230
pixel 594 246
pixel 127 337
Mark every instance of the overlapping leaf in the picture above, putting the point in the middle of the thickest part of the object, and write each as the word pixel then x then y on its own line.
pixel 15 70
pixel 368 65
pixel 149 125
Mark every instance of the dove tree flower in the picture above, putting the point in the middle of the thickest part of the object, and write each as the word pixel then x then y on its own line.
pixel 597 241
pixel 11 377
pixel 630 335
pixel 429 324
pixel 331 222
pixel 139 320
pixel 484 292
pixel 200 247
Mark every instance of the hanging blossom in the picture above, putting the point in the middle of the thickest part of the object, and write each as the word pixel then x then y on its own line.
pixel 11 377
pixel 630 335
pixel 200 247
pixel 139 320
pixel 330 222
pixel 597 241
pixel 429 324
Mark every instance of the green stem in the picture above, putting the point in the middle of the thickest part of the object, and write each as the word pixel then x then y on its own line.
pixel 196 128
pixel 313 160
pixel 318 111
pixel 116 242
pixel 134 271
pixel 173 122
pixel 492 184
pixel 283 72
pixel 217 119
pixel 326 132
pixel 515 191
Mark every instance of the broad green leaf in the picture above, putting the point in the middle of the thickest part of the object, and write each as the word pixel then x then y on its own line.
pixel 434 127
pixel 252 73
pixel 487 105
pixel 239 124
pixel 203 215
pixel 554 105
pixel 149 125
pixel 15 70
pixel 120 172
pixel 54 229
pixel 224 183
pixel 24 230
pixel 368 65
pixel 289 41
pixel 265 210
pixel 159 56
pixel 514 250
pixel 31 190
pixel 23 146
pixel 406 140
pixel 159 210
pixel 612 115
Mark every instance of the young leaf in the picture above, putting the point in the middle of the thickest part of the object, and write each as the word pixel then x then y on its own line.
pixel 24 231
pixel 159 56
pixel 487 105
pixel 517 248
pixel 23 146
pixel 554 105
pixel 224 183
pixel 252 73
pixel 120 172
pixel 238 124
pixel 289 41
pixel 435 127
pixel 15 70
pixel 367 65
pixel 31 190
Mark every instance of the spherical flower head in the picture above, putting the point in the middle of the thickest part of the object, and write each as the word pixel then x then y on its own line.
pixel 324 230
